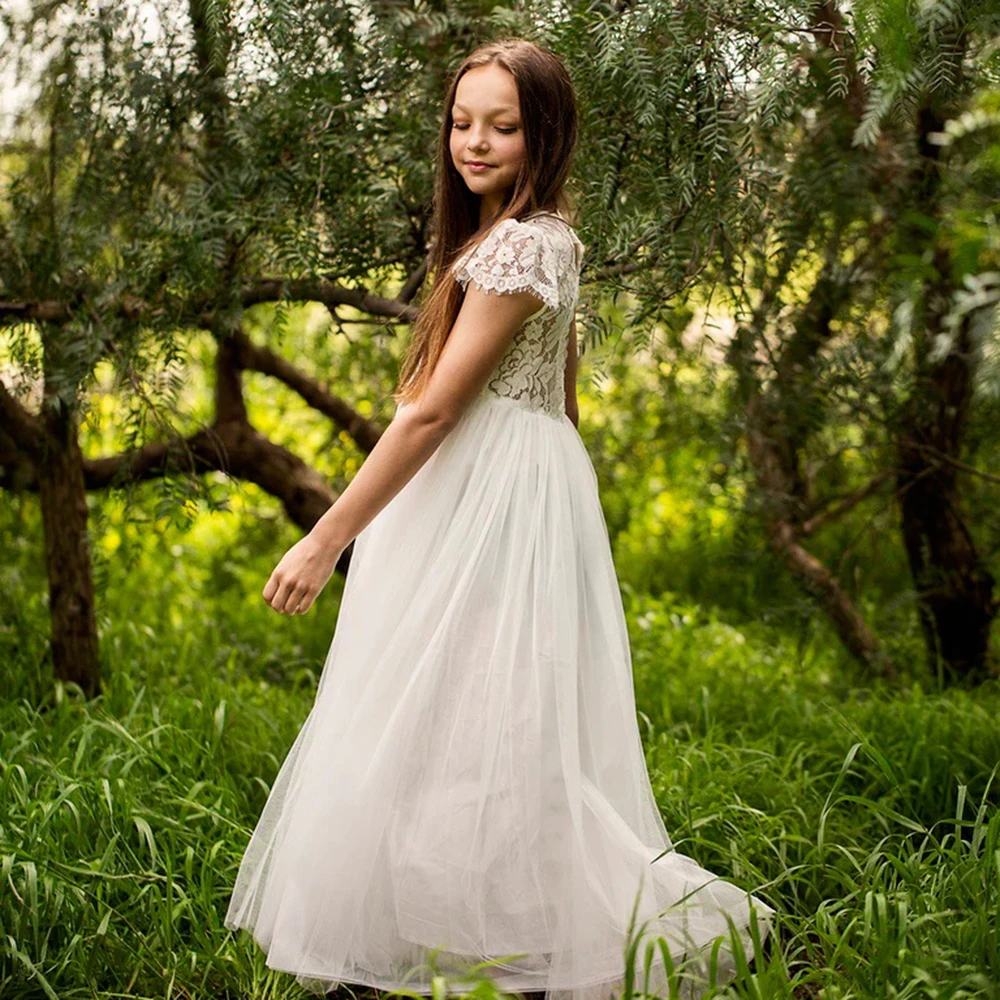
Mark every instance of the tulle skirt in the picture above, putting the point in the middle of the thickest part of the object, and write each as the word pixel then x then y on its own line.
pixel 470 788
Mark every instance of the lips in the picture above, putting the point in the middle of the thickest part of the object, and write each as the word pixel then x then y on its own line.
pixel 477 163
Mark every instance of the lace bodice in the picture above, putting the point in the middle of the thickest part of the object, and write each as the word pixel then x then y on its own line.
pixel 541 254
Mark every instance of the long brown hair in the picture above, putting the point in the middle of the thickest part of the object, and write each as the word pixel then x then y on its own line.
pixel 549 120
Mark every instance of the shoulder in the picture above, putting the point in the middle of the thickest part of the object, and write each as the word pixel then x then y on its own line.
pixel 517 255
pixel 553 227
pixel 513 256
pixel 536 232
pixel 560 234
pixel 547 241
pixel 520 233
pixel 524 235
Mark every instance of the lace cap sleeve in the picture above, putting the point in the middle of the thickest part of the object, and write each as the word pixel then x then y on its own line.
pixel 514 257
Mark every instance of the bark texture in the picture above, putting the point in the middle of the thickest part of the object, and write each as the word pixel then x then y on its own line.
pixel 63 499
pixel 955 589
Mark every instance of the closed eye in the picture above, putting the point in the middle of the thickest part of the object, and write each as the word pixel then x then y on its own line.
pixel 505 131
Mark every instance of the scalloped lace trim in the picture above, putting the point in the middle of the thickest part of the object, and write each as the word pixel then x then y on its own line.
pixel 514 257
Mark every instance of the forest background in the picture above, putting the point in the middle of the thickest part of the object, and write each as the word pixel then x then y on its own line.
pixel 213 239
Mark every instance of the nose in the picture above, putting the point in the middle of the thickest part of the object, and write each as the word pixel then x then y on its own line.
pixel 477 140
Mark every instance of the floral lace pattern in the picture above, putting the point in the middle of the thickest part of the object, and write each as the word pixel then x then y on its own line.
pixel 543 255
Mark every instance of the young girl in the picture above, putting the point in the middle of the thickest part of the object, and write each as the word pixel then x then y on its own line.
pixel 470 785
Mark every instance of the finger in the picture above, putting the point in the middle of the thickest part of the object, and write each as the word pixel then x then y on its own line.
pixel 280 599
pixel 292 599
pixel 271 587
pixel 306 601
pixel 299 598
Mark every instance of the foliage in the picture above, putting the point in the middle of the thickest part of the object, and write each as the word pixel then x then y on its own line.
pixel 316 158
pixel 671 469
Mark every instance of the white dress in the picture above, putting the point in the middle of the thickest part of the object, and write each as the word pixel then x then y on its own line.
pixel 470 785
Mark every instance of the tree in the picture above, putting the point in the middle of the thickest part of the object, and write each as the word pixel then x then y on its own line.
pixel 264 154
pixel 862 216
pixel 862 303
pixel 155 183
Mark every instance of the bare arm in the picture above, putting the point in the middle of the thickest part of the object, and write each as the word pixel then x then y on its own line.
pixel 572 408
pixel 483 329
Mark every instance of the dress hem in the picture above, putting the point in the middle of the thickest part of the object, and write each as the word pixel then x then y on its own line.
pixel 607 977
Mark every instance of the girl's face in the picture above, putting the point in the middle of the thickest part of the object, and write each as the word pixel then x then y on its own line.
pixel 486 127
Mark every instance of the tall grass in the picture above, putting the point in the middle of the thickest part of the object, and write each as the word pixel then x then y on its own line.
pixel 867 816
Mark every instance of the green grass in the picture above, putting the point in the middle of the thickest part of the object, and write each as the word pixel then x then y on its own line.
pixel 867 815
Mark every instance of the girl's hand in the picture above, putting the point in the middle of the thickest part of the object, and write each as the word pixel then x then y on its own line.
pixel 300 576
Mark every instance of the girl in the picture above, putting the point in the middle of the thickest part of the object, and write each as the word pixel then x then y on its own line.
pixel 470 785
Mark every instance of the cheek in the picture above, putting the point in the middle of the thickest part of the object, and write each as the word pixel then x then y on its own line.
pixel 514 151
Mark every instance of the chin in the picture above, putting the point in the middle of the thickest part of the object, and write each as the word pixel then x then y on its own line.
pixel 480 184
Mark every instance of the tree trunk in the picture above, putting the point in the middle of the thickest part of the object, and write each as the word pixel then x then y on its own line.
pixel 954 587
pixel 776 435
pixel 63 501
pixel 766 452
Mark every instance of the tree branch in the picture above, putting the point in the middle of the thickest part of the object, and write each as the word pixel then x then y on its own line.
pixel 232 447
pixel 412 284
pixel 955 463
pixel 265 361
pixel 324 290
pixel 849 624
pixel 22 426
pixel 848 503
pixel 330 293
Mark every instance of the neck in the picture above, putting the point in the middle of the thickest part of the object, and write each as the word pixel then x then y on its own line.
pixel 490 207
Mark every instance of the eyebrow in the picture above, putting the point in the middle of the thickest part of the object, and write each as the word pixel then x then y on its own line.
pixel 502 107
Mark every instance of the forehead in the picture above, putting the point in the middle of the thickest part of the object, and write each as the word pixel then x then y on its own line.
pixel 489 89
